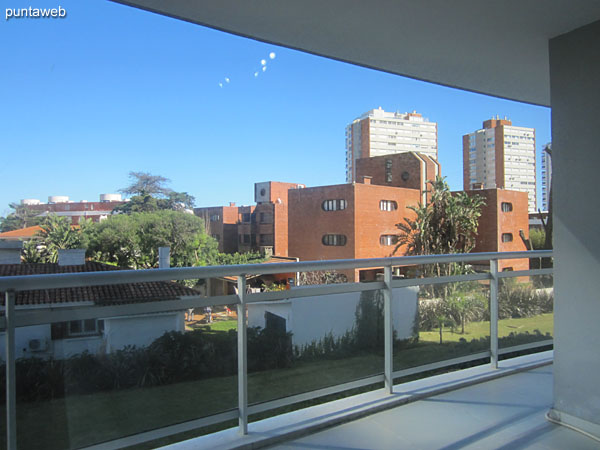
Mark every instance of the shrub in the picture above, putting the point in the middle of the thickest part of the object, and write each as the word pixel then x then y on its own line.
pixel 517 300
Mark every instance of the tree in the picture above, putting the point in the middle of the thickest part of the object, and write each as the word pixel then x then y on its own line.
pixel 321 277
pixel 149 193
pixel 133 240
pixel 537 238
pixel 57 234
pixel 21 217
pixel 144 183
pixel 448 224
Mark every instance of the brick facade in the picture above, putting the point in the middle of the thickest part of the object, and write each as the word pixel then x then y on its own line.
pixel 221 223
pixel 362 222
pixel 495 222
pixel 408 170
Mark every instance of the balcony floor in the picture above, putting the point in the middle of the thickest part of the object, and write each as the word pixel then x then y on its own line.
pixel 479 407
pixel 505 413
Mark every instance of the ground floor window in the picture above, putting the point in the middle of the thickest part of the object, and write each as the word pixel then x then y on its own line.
pixel 76 328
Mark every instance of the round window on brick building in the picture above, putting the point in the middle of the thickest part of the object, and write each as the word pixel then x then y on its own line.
pixel 334 204
pixel 388 205
pixel 388 239
pixel 507 207
pixel 507 237
pixel 334 239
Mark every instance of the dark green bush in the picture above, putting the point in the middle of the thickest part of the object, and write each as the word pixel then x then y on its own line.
pixel 172 358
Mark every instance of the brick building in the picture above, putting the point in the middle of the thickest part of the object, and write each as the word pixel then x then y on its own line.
pixel 60 205
pixel 410 170
pixel 503 225
pixel 262 227
pixel 347 221
pixel 221 223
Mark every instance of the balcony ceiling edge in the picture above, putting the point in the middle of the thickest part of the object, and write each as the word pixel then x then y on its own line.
pixel 495 48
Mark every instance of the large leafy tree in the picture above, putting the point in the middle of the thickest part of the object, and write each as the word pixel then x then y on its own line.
pixel 149 193
pixel 144 183
pixel 132 240
pixel 446 225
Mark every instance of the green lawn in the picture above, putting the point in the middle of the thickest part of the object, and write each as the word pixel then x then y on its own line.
pixel 218 325
pixel 83 420
pixel 476 330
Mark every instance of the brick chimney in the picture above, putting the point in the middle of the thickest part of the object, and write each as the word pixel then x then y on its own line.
pixel 231 203
pixel 71 257
pixel 10 252
pixel 367 180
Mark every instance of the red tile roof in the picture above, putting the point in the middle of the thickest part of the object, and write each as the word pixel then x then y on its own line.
pixel 116 294
pixel 22 233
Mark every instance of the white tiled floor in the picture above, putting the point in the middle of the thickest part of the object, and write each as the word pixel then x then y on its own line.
pixel 506 413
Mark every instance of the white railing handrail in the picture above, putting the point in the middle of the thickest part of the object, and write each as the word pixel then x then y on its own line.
pixel 64 280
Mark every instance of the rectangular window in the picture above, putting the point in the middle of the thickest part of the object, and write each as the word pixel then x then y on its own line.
pixel 388 205
pixel 76 328
pixel 266 217
pixel 266 239
pixel 388 239
pixel 388 170
pixel 334 205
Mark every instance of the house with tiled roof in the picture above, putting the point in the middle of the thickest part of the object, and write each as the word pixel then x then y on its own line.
pixel 98 335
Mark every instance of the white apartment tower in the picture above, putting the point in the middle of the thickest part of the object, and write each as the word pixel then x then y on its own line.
pixel 378 133
pixel 546 176
pixel 502 156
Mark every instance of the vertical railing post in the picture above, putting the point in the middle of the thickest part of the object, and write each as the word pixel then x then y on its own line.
pixel 242 350
pixel 388 346
pixel 11 380
pixel 494 313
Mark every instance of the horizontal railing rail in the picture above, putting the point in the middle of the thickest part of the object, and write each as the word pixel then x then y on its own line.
pixel 53 281
pixel 17 316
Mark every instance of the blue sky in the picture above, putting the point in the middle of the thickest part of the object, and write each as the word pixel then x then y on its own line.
pixel 112 89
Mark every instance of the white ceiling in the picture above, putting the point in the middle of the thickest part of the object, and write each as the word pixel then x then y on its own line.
pixel 494 47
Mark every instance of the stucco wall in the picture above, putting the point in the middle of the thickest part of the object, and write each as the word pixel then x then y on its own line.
pixel 140 330
pixel 311 318
pixel 575 71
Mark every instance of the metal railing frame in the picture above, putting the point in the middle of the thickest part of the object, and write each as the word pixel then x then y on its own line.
pixel 15 317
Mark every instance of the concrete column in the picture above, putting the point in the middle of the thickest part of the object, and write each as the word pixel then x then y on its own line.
pixel 575 99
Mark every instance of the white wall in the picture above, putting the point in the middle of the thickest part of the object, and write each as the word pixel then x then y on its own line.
pixel 118 333
pixel 22 336
pixel 64 348
pixel 140 330
pixel 575 72
pixel 311 318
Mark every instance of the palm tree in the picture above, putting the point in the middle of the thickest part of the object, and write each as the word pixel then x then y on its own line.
pixel 446 225
pixel 58 234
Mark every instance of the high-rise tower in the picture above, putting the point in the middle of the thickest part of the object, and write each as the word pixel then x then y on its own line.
pixel 378 133
pixel 500 155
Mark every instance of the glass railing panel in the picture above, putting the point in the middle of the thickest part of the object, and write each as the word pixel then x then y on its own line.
pixel 85 382
pixel 449 320
pixel 526 310
pixel 315 342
